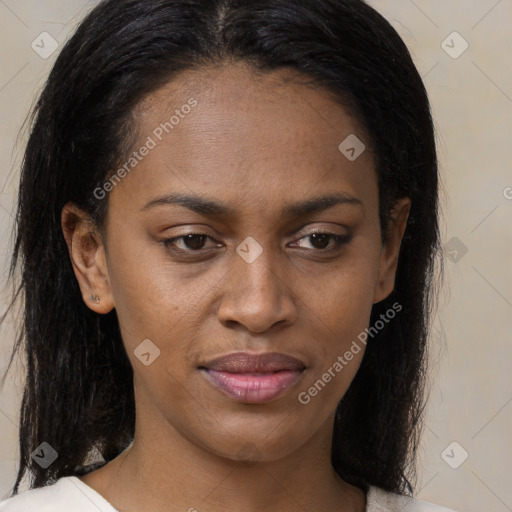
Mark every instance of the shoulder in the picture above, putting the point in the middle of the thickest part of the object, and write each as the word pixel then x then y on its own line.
pixel 379 500
pixel 68 493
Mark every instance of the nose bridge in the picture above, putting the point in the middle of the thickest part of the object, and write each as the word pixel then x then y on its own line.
pixel 257 294
pixel 256 266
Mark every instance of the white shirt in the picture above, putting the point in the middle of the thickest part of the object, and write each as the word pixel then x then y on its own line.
pixel 70 494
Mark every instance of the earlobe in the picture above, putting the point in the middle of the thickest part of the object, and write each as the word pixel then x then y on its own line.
pixel 87 254
pixel 391 250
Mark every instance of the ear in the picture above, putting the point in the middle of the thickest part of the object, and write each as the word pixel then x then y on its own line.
pixel 87 253
pixel 391 249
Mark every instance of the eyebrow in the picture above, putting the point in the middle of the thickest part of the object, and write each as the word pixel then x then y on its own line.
pixel 213 208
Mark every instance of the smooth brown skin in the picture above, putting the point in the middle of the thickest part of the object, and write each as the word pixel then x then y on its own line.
pixel 255 143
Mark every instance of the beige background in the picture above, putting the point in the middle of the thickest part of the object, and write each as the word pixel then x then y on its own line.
pixel 471 97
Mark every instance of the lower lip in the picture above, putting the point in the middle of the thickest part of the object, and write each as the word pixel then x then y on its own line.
pixel 253 388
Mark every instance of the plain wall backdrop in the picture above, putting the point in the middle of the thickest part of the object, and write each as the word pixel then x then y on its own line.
pixel 461 49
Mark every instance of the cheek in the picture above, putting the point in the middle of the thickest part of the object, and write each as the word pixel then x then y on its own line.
pixel 339 307
pixel 158 301
pixel 339 346
pixel 145 295
pixel 351 304
pixel 342 299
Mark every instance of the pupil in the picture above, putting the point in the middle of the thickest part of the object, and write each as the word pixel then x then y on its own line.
pixel 189 241
pixel 322 237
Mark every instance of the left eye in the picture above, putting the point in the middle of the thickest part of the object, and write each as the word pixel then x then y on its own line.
pixel 322 239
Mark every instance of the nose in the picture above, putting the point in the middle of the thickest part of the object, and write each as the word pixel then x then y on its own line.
pixel 257 295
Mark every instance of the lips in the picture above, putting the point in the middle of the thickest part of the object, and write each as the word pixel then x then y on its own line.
pixel 253 378
pixel 242 362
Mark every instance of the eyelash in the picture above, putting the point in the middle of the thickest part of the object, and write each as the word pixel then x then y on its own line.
pixel 339 240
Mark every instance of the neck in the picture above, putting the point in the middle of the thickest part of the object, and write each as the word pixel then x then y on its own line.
pixel 163 469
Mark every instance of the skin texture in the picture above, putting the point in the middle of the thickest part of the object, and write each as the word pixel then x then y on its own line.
pixel 255 143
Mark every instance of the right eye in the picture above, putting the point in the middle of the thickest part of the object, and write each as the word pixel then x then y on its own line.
pixel 192 242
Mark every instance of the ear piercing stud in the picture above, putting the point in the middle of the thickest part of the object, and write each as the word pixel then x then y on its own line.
pixel 94 298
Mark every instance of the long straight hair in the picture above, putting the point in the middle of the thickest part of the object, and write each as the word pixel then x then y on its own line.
pixel 78 395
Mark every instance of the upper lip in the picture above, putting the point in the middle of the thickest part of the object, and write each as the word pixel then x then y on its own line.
pixel 243 362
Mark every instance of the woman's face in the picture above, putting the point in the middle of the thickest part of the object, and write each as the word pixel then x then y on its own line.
pixel 254 155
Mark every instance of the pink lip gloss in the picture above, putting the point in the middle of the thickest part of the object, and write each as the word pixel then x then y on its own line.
pixel 253 388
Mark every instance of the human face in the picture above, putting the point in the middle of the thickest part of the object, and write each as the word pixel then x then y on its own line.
pixel 256 280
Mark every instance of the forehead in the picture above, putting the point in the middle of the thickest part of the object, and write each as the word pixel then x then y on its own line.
pixel 230 94
pixel 257 135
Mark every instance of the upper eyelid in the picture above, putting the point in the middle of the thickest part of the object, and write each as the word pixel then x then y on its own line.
pixel 325 231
